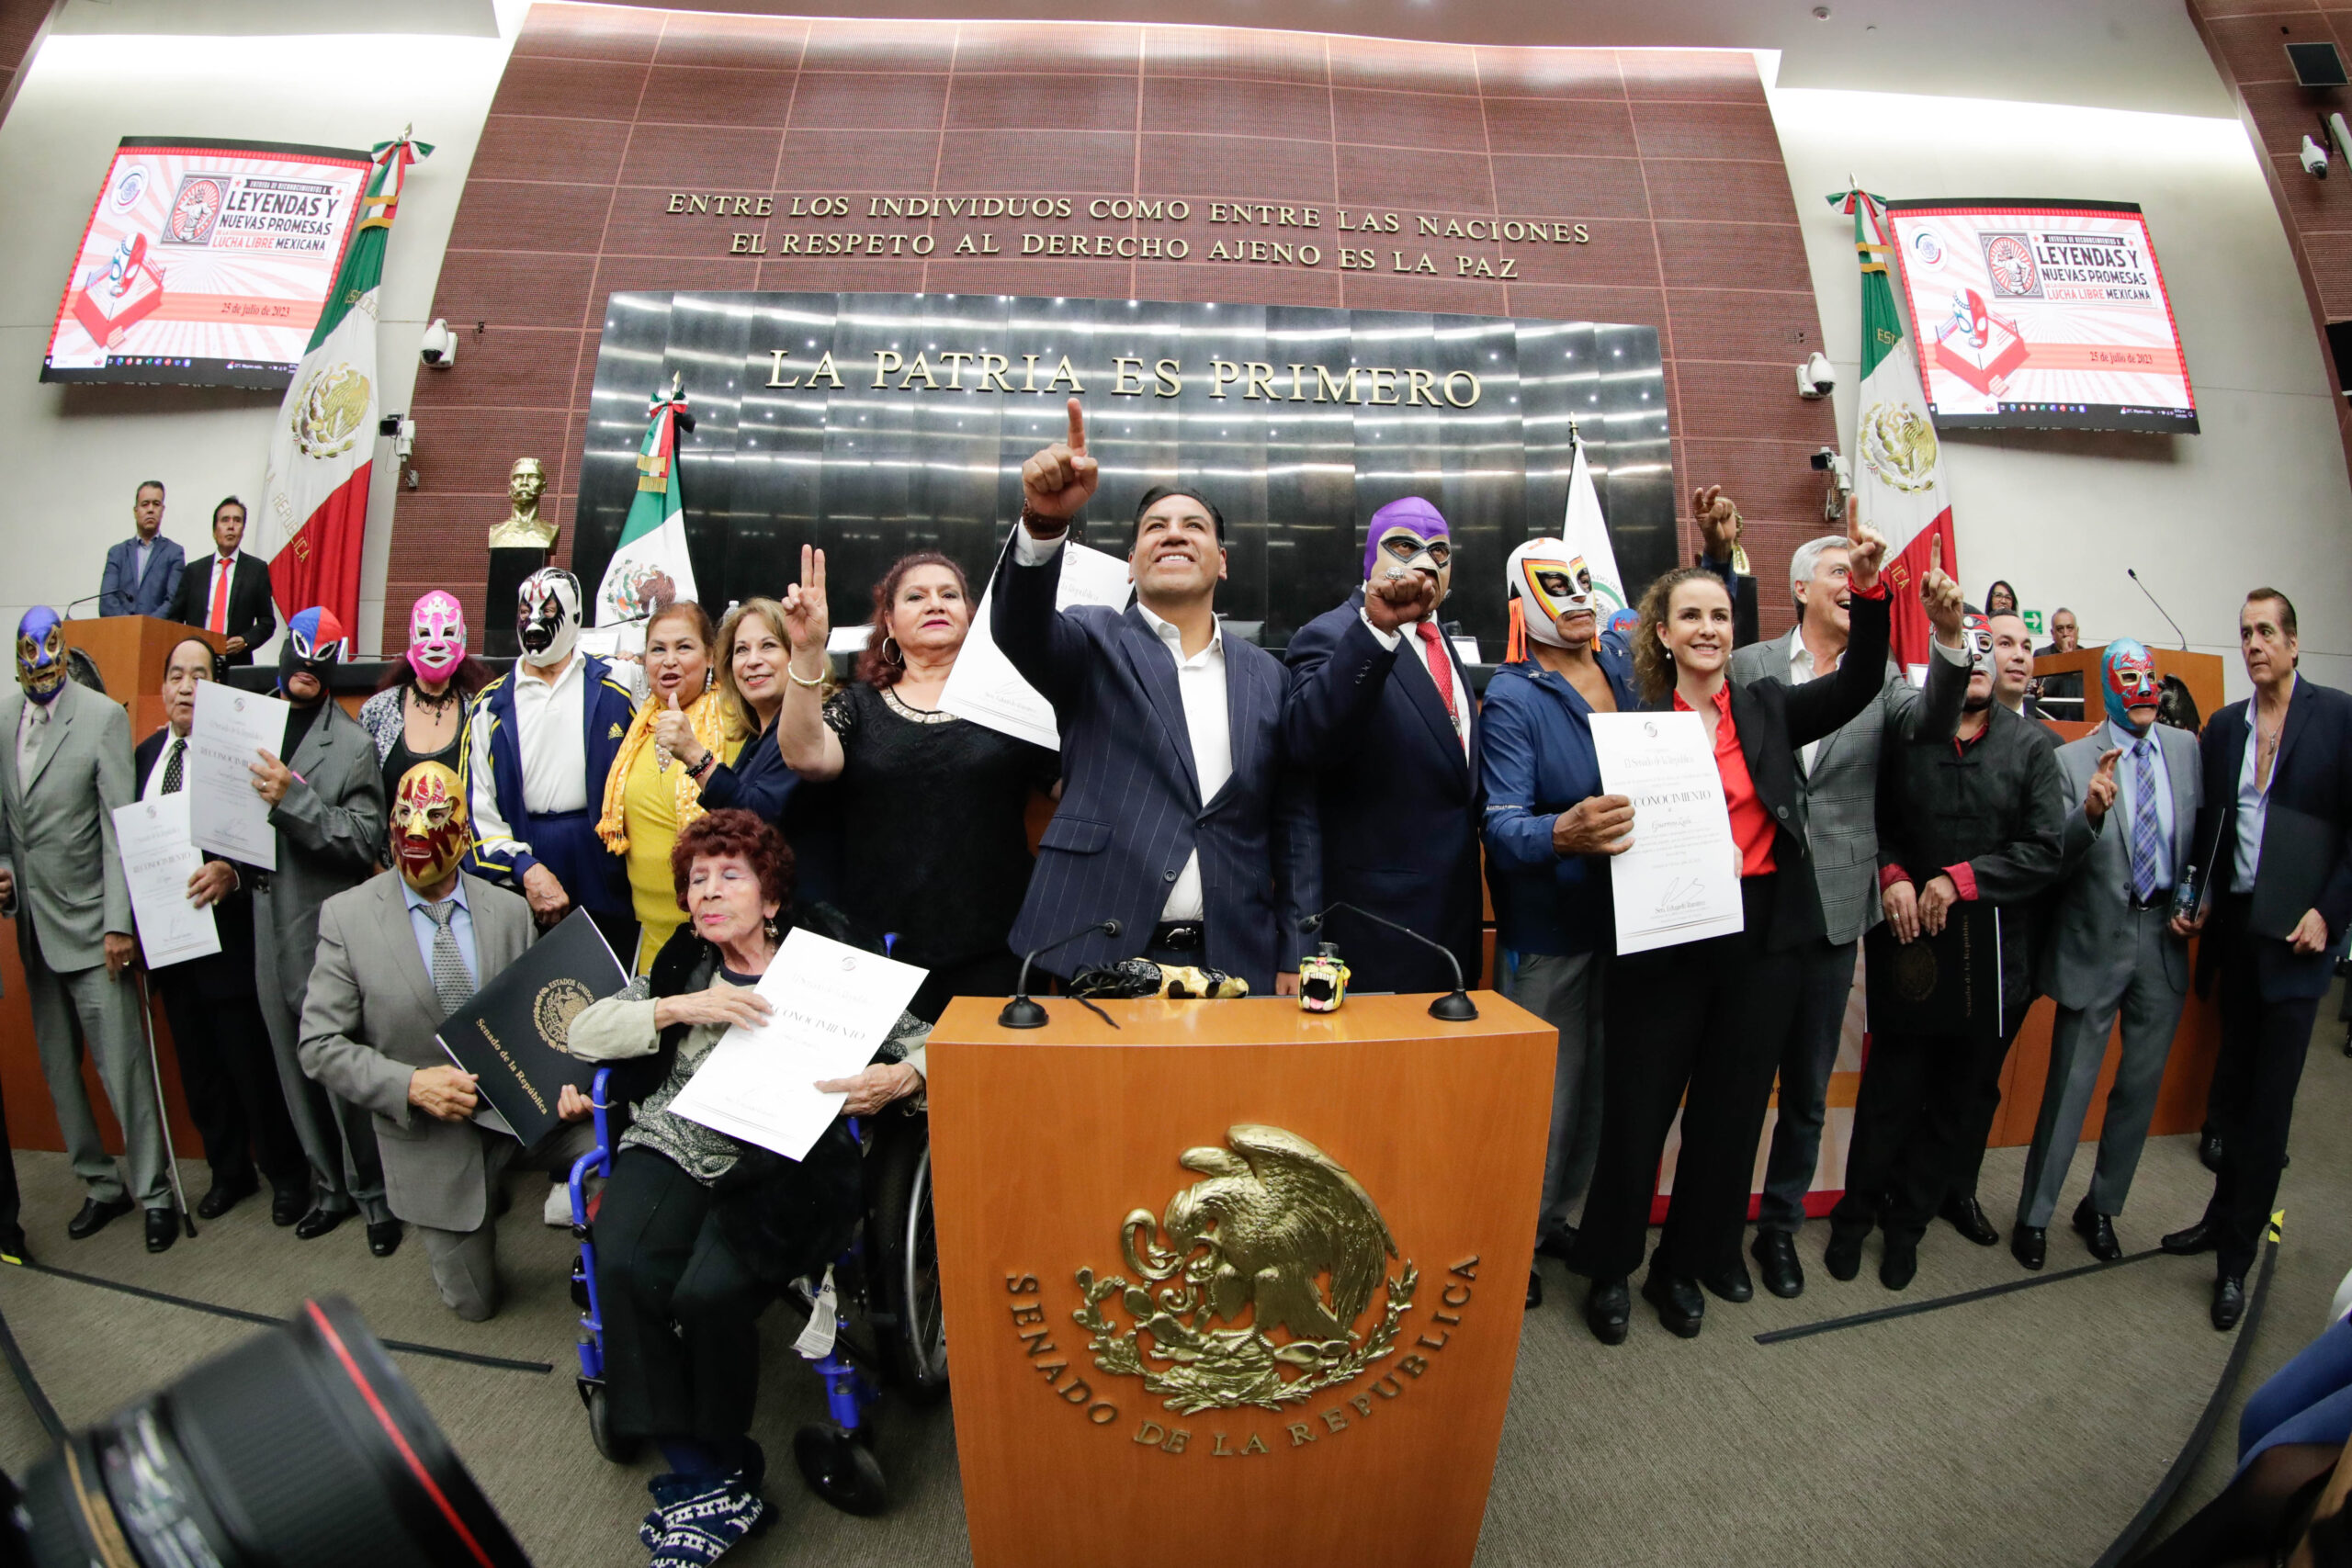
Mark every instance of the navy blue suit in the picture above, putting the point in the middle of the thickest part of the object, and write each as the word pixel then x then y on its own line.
pixel 1131 813
pixel 121 591
pixel 1397 799
pixel 757 780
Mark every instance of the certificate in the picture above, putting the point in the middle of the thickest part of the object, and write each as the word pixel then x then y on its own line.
pixel 1680 879
pixel 835 1004
pixel 224 813
pixel 984 687
pixel 158 857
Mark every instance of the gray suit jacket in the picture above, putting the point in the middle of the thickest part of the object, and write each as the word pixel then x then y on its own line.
pixel 368 1023
pixel 2088 958
pixel 57 827
pixel 330 829
pixel 1838 795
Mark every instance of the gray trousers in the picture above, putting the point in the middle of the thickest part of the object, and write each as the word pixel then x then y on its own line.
pixel 1565 992
pixel 2151 1010
pixel 337 1137
pixel 1806 1063
pixel 465 1263
pixel 107 1011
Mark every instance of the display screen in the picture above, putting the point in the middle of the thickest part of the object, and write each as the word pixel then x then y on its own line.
pixel 2041 315
pixel 205 262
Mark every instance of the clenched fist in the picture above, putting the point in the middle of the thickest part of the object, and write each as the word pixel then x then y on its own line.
pixel 1058 480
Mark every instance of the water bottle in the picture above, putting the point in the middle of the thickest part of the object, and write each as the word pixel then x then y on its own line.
pixel 2183 896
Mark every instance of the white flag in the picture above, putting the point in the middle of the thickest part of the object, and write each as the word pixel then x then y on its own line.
pixel 1586 534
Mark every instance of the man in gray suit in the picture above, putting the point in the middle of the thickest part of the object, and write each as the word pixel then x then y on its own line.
pixel 2116 946
pixel 1837 786
pixel 64 766
pixel 326 801
pixel 397 955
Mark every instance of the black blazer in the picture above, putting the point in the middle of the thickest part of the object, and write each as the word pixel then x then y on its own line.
pixel 1774 718
pixel 2313 775
pixel 1398 801
pixel 227 975
pixel 252 616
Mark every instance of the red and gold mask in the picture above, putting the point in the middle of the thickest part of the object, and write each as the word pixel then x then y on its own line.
pixel 430 831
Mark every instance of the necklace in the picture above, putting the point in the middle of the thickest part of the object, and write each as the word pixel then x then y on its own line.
pixel 437 707
pixel 907 710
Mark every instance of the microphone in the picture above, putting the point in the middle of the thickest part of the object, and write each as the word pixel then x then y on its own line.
pixel 2160 609
pixel 85 599
pixel 1020 1013
pixel 1455 1008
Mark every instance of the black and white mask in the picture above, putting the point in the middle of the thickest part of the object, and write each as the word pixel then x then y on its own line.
pixel 546 616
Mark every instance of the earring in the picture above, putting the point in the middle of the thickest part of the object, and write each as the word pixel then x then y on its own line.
pixel 709 678
pixel 890 652
pixel 774 933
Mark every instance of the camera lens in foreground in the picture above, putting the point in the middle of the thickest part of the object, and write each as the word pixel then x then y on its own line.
pixel 302 1447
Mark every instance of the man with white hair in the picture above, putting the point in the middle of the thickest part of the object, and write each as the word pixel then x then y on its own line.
pixel 1837 786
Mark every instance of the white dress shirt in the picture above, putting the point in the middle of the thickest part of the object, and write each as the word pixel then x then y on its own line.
pixel 172 742
pixel 1208 721
pixel 2254 800
pixel 549 715
pixel 1421 650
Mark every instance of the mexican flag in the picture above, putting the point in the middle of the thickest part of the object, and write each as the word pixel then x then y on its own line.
pixel 1898 472
pixel 314 492
pixel 1586 534
pixel 650 564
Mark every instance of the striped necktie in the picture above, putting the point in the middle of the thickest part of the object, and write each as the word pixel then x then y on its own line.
pixel 2148 838
pixel 450 981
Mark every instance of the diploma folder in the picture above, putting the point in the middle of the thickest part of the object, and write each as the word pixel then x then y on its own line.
pixel 1944 984
pixel 513 1036
pixel 2299 853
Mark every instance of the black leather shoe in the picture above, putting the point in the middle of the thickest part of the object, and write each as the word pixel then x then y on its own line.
pixel 2209 1151
pixel 95 1216
pixel 318 1221
pixel 1733 1284
pixel 1843 1257
pixel 2098 1232
pixel 1966 1215
pixel 383 1237
pixel 1534 1290
pixel 223 1196
pixel 1901 1263
pixel 2229 1302
pixel 1776 1259
pixel 1679 1305
pixel 2030 1245
pixel 163 1229
pixel 2203 1236
pixel 1558 1243
pixel 1609 1311
pixel 288 1204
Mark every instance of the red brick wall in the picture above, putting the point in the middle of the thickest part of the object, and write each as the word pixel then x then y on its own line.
pixel 1668 158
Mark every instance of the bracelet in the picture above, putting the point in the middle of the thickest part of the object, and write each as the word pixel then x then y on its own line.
pixel 1060 525
pixel 709 761
pixel 794 676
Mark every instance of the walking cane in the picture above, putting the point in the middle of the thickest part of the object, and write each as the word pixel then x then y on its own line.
pixel 163 1112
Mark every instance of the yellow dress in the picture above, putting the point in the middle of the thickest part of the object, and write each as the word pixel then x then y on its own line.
pixel 650 805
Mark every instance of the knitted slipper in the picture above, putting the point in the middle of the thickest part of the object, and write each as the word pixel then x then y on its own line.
pixel 669 1490
pixel 702 1528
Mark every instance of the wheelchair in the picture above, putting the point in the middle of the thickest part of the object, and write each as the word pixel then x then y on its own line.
pixel 890 1329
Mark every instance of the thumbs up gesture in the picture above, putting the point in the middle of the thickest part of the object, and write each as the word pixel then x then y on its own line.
pixel 1865 549
pixel 675 733
pixel 2100 794
pixel 1940 597
pixel 1058 480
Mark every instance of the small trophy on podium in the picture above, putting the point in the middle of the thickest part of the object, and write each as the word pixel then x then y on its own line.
pixel 518 546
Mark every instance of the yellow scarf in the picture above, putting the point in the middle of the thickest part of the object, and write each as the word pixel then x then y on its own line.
pixel 709 721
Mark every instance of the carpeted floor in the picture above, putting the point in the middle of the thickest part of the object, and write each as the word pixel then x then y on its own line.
pixel 2022 1428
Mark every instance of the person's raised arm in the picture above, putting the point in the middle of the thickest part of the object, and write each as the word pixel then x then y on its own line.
pixel 1820 706
pixel 810 747
pixel 1056 484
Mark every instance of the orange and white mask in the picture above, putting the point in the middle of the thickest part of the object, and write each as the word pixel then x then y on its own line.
pixel 430 828
pixel 1547 584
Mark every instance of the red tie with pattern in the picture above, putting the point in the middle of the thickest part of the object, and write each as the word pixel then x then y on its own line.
pixel 216 616
pixel 1440 668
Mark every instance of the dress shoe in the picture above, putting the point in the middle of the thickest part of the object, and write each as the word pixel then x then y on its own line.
pixel 1733 1284
pixel 1557 1245
pixel 383 1237
pixel 13 1250
pixel 95 1216
pixel 2229 1302
pixel 1679 1305
pixel 1896 1269
pixel 2203 1236
pixel 2209 1151
pixel 1843 1257
pixel 223 1196
pixel 2098 1232
pixel 1609 1311
pixel 1776 1257
pixel 2030 1245
pixel 1534 1290
pixel 1967 1217
pixel 320 1221
pixel 162 1228
pixel 288 1204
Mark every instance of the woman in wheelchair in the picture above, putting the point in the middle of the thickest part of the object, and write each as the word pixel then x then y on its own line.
pixel 698 1232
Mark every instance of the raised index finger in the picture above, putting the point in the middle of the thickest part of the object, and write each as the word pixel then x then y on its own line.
pixel 1077 428
pixel 1935 552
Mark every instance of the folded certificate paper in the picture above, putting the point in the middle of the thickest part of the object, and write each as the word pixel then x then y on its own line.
pixel 984 687
pixel 834 1006
pixel 225 814
pixel 515 1035
pixel 1679 881
pixel 151 837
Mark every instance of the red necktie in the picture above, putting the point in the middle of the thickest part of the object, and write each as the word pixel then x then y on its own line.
pixel 216 618
pixel 1440 668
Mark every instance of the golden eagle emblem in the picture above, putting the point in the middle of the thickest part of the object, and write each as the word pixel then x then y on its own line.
pixel 1899 446
pixel 560 1001
pixel 330 409
pixel 1248 1289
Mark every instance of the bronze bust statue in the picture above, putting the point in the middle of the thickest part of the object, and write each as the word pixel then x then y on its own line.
pixel 524 528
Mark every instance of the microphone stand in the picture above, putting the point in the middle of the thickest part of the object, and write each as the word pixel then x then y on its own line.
pixel 1456 1007
pixel 2160 609
pixel 1020 1012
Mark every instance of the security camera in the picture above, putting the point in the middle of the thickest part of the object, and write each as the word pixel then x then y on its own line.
pixel 1823 458
pixel 1826 460
pixel 439 345
pixel 403 435
pixel 1815 377
pixel 2314 158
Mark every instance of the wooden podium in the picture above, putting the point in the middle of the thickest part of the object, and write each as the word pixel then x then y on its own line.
pixel 128 652
pixel 1232 1271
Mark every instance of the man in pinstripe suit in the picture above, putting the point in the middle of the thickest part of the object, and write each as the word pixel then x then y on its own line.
pixel 1179 817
